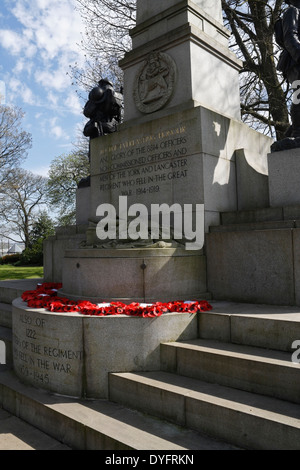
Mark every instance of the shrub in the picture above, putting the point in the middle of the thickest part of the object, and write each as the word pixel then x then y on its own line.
pixel 11 259
pixel 34 255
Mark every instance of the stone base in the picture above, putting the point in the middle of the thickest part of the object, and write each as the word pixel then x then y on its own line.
pixel 284 177
pixel 255 266
pixel 67 237
pixel 72 354
pixel 140 275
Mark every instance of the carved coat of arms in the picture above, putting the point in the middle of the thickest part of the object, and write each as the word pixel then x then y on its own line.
pixel 155 82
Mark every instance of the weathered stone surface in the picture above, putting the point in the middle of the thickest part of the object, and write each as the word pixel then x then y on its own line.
pixel 188 157
pixel 72 354
pixel 54 249
pixel 284 170
pixel 48 349
pixel 141 275
pixel 254 266
pixel 193 35
pixel 252 180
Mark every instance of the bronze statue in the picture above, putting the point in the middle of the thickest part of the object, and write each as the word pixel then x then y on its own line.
pixel 287 33
pixel 103 108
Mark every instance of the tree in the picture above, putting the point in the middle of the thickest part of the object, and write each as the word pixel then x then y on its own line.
pixel 22 194
pixel 14 142
pixel 263 91
pixel 42 228
pixel 105 41
pixel 264 94
pixel 65 174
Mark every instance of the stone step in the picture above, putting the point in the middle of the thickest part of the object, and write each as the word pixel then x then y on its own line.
pixel 257 370
pixel 272 225
pixel 97 424
pixel 5 315
pixel 248 420
pixel 266 326
pixel 12 289
pixel 6 353
pixel 268 214
pixel 18 435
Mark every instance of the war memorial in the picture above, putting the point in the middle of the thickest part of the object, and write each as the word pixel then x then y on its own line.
pixel 188 232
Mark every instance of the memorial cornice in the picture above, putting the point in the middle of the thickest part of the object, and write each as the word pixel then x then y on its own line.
pixel 179 35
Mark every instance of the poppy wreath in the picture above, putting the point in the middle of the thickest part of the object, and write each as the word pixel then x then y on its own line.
pixel 45 296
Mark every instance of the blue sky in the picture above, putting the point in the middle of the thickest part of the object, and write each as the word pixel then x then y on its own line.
pixel 38 42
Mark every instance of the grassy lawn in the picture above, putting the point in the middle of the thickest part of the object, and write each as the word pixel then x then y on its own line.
pixel 8 271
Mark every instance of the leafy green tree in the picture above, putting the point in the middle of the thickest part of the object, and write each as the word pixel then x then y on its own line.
pixel 42 228
pixel 65 174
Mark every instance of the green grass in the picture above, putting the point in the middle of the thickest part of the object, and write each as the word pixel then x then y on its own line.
pixel 8 271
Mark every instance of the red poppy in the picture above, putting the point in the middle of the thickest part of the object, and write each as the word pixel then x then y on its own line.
pixel 45 296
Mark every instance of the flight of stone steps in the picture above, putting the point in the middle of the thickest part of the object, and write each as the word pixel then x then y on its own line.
pixel 233 387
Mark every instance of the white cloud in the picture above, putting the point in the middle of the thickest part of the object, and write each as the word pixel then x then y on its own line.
pixel 73 103
pixel 39 41
pixel 57 131
pixel 11 41
pixel 52 79
pixel 54 26
pixel 41 170
pixel 45 42
pixel 21 90
pixel 23 66
pixel 2 92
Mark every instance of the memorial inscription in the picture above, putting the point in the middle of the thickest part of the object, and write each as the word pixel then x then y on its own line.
pixel 39 358
pixel 141 165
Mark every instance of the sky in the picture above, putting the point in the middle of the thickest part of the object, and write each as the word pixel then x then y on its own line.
pixel 38 43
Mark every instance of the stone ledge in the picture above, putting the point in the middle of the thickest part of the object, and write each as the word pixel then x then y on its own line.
pixel 72 354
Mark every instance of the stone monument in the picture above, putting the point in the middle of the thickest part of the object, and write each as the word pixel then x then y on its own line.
pixel 182 152
pixel 182 143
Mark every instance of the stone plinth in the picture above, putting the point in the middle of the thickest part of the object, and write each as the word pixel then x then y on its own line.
pixel 54 249
pixel 72 354
pixel 146 10
pixel 255 266
pixel 188 158
pixel 284 177
pixel 140 275
pixel 192 35
pixel 82 205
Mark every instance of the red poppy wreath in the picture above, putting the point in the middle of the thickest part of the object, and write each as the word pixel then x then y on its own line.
pixel 45 296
